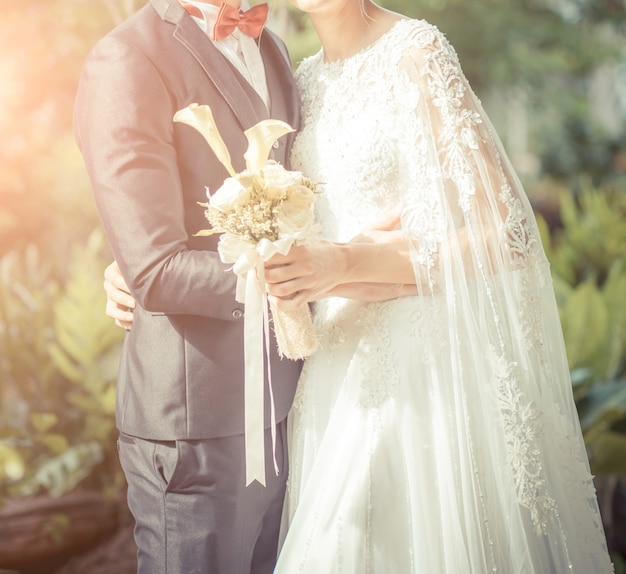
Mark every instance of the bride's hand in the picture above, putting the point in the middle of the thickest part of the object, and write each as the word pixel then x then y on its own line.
pixel 120 302
pixel 378 255
pixel 305 274
pixel 383 230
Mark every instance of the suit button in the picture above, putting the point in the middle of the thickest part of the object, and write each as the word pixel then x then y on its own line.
pixel 276 145
pixel 237 314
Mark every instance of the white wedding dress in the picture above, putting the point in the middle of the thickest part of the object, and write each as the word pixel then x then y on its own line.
pixel 436 433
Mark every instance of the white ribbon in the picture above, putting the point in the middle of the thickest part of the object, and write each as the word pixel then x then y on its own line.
pixel 249 265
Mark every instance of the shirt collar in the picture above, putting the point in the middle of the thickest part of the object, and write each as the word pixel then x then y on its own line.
pixel 210 11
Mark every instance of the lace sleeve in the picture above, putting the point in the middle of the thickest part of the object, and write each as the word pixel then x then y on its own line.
pixel 470 204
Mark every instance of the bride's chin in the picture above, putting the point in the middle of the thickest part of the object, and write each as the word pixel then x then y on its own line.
pixel 311 6
pixel 307 5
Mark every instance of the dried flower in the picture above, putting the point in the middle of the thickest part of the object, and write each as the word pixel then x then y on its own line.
pixel 271 204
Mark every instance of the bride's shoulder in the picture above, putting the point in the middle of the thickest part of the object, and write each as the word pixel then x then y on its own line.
pixel 421 33
pixel 306 65
pixel 420 41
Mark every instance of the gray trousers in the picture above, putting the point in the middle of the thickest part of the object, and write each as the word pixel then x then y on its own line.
pixel 193 512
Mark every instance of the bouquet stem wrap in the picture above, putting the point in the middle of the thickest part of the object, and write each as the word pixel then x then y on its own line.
pixel 294 332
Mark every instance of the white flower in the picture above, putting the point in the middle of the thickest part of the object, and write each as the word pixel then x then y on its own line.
pixel 275 175
pixel 229 196
pixel 293 220
pixel 301 196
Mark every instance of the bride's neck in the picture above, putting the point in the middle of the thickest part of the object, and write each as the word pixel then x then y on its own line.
pixel 349 29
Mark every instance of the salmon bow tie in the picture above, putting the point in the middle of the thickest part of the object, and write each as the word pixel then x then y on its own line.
pixel 250 22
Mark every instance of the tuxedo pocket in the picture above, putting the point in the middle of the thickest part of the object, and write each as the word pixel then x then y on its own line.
pixel 166 462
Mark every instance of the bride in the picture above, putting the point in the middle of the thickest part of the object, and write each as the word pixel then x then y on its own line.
pixel 435 432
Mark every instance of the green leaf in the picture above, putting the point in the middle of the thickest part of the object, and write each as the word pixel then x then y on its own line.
pixel 43 421
pixel 584 318
pixel 604 401
pixel 56 527
pixel 11 463
pixel 64 472
pixel 107 399
pixel 64 364
pixel 57 443
pixel 608 454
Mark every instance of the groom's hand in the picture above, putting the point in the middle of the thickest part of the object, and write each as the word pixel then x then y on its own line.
pixel 120 303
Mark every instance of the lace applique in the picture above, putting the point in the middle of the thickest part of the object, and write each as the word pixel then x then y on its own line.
pixel 523 248
pixel 425 222
pixel 522 426
pixel 520 241
pixel 426 323
pixel 574 468
pixel 336 337
pixel 577 481
pixel 379 377
pixel 458 136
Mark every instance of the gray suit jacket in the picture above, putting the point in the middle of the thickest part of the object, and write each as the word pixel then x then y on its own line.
pixel 181 372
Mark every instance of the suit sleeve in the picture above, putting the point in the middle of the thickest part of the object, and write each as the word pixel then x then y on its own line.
pixel 124 128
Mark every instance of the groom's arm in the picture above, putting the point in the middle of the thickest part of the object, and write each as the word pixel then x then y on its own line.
pixel 124 128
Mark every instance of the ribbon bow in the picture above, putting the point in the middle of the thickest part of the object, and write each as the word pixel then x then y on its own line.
pixel 250 22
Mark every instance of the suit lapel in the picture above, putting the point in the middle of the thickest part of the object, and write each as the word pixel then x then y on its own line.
pixel 284 100
pixel 280 80
pixel 236 91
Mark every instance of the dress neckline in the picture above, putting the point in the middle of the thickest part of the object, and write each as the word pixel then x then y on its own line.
pixel 340 63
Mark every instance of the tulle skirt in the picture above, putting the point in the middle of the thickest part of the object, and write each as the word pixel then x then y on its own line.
pixel 412 451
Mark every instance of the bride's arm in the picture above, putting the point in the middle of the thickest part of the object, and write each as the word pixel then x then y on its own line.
pixel 320 269
pixel 372 292
pixel 374 266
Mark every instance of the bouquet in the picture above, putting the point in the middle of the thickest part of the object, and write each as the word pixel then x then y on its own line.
pixel 260 211
pixel 266 211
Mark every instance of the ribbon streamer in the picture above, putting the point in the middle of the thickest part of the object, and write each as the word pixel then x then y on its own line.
pixel 249 265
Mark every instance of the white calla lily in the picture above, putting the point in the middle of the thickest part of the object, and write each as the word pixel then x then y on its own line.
pixel 261 137
pixel 201 119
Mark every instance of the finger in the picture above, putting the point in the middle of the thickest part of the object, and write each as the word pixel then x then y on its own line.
pixel 285 273
pixel 113 275
pixel 114 311
pixel 278 259
pixel 124 324
pixel 291 304
pixel 118 296
pixel 284 290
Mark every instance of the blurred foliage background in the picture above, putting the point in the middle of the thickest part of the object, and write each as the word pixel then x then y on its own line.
pixel 552 76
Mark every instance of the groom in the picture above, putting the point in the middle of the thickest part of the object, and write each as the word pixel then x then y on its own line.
pixel 180 387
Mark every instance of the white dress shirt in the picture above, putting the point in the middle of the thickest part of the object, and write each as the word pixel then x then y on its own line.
pixel 241 51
